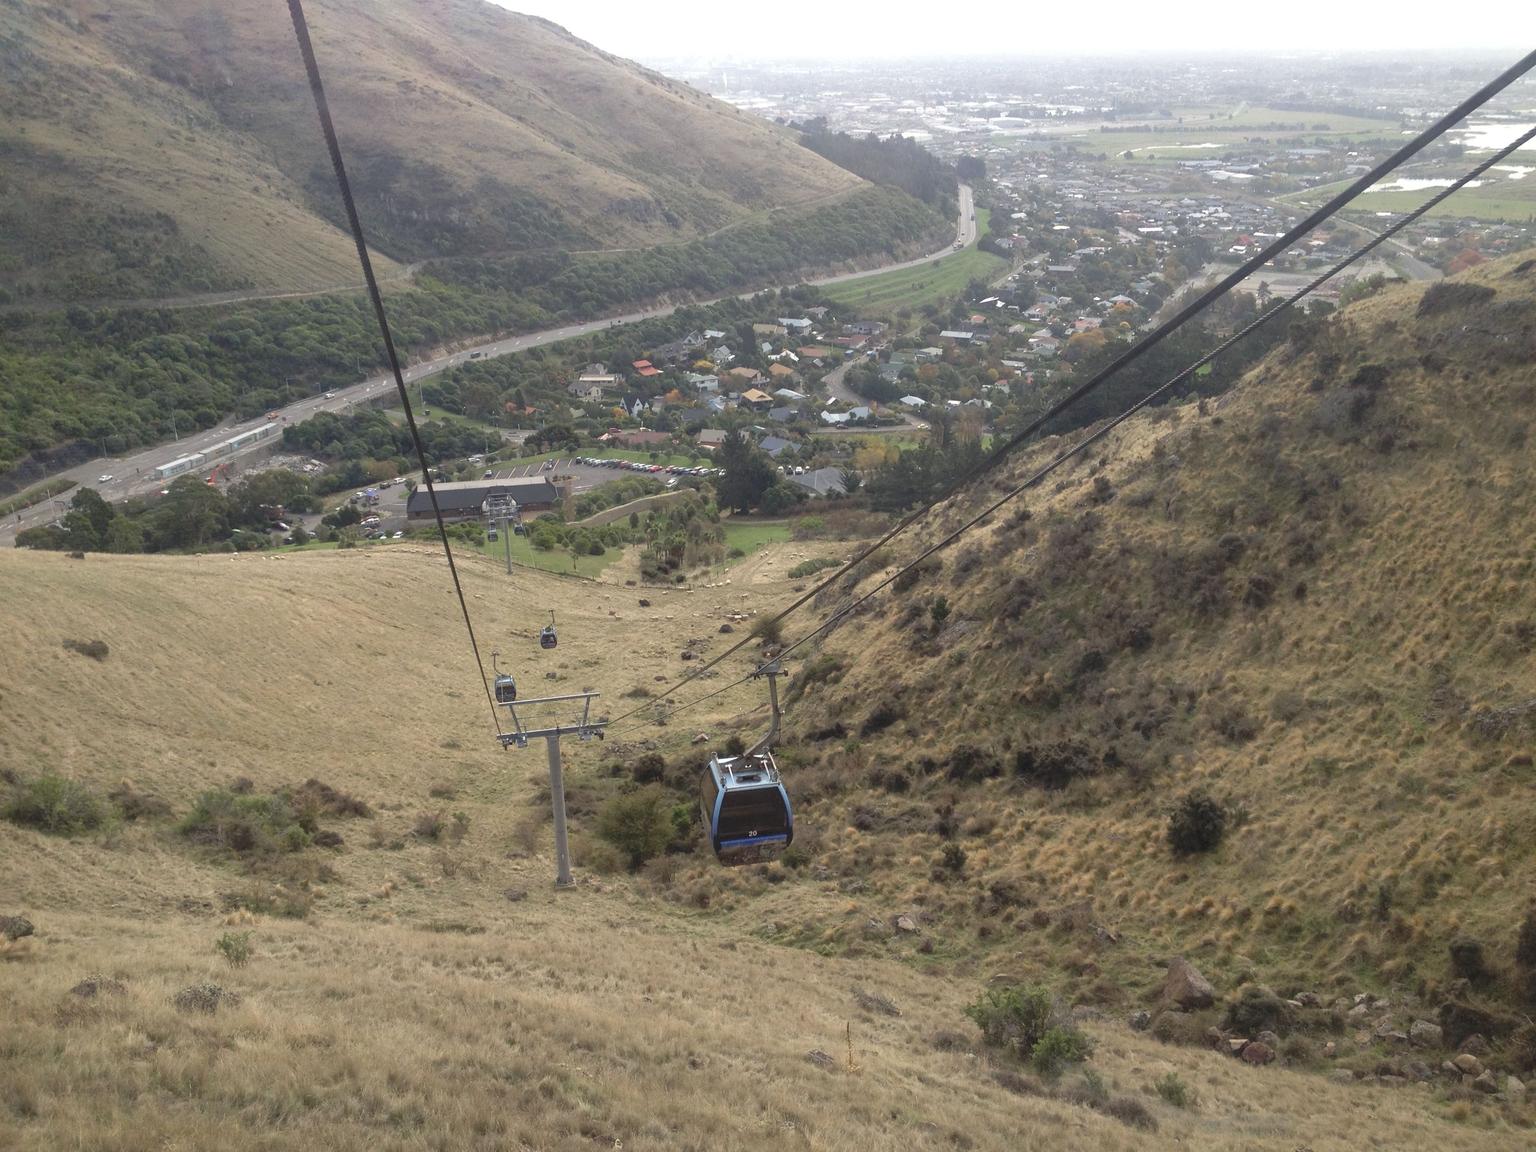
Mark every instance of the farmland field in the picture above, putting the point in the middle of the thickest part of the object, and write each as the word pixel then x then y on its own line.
pixel 932 283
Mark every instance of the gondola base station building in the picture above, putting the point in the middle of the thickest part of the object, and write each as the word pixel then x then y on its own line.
pixel 465 499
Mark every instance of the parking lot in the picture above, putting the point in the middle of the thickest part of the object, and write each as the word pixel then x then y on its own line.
pixel 590 471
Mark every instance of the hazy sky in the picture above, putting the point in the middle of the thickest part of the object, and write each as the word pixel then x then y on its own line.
pixel 717 29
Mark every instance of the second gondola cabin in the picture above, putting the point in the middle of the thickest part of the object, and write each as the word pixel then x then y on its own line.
pixel 745 808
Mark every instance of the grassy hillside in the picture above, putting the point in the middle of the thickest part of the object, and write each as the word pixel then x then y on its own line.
pixel 169 148
pixel 439 993
pixel 1313 598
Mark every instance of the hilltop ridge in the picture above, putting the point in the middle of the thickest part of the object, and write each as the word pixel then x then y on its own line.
pixel 170 147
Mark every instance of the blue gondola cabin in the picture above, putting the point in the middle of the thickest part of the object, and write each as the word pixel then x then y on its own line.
pixel 746 809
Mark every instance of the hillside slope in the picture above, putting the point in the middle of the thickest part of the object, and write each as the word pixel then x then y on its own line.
pixel 170 147
pixel 1313 597
pixel 440 994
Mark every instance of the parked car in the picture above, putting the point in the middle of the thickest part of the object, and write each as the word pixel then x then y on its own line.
pixel 104 478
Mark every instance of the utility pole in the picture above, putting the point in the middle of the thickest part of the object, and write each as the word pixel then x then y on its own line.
pixel 583 729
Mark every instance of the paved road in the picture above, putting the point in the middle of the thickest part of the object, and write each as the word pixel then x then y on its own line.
pixel 134 475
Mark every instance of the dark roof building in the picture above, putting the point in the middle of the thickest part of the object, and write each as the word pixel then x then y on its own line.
pixel 462 500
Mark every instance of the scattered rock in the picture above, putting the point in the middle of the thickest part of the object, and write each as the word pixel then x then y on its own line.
pixel 1236 1046
pixel 1418 1071
pixel 207 998
pixel 1215 1039
pixel 325 838
pixel 1359 1012
pixel 1185 986
pixel 515 895
pixel 15 927
pixel 1468 1064
pixel 1309 999
pixel 701 738
pixel 1258 1054
pixel 726 629
pixel 1513 1087
pixel 645 603
pixel 98 985
pixel 874 1002
pixel 1342 1076
pixel 1392 1036
pixel 1487 1083
pixel 1425 1034
pixel 1474 1045
pixel 1393 1081
pixel 1330 1050
pixel 905 923
pixel 1268 1038
pixel 819 1058
pixel 688 654
pixel 1450 1069
pixel 1140 1021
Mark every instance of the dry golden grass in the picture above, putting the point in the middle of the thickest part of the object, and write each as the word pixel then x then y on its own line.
pixel 1380 824
pixel 418 1006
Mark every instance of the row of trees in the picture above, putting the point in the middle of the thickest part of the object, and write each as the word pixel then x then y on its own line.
pixel 191 516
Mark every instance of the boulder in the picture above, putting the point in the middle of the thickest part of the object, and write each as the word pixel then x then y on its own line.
pixel 1468 1064
pixel 1185 986
pixel 1425 1034
pixel 1487 1083
pixel 1309 999
pixel 1258 1054
pixel 1513 1087
pixel 819 1058
pixel 15 927
pixel 1418 1071
pixel 1475 1045
pixel 1342 1076
pixel 1140 1021
pixel 905 923
pixel 1268 1038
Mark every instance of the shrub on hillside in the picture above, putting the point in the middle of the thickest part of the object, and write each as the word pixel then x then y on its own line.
pixel 1525 953
pixel 1024 1022
pixel 136 805
pixel 1196 824
pixel 638 824
pixel 56 805
pixel 249 824
pixel 1467 959
pixel 1448 295
pixel 650 768
pixel 95 649
pixel 1055 764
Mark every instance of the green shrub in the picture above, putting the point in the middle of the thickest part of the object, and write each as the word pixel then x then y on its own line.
pixel 1196 824
pixel 235 947
pixel 1015 1019
pixel 811 567
pixel 638 824
pixel 1174 1091
pixel 57 806
pixel 1059 1047
pixel 95 649
pixel 249 824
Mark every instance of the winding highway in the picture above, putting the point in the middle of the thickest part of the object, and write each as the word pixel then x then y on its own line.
pixel 118 478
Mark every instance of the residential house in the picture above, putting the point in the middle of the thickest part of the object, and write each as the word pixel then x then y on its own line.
pixel 775 445
pixel 815 352
pixel 956 335
pixel 789 394
pixel 582 390
pixel 702 382
pixel 634 405
pixel 710 438
pixel 834 417
pixel 864 328
pixel 645 369
pixel 721 354
pixel 913 401
pixel 821 482
pixel 757 400
pixel 745 378
pixel 800 326
pixel 782 415
pixel 929 355
pixel 781 373
pixel 769 330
